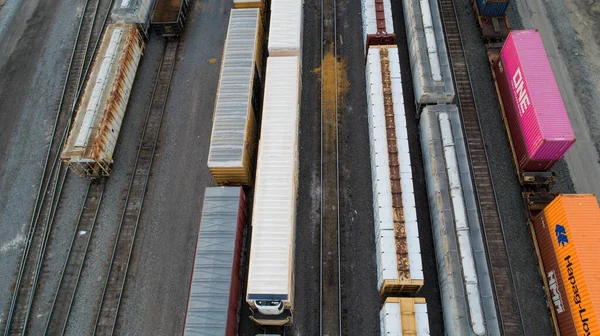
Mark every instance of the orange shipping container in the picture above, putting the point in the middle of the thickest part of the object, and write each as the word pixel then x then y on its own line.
pixel 568 235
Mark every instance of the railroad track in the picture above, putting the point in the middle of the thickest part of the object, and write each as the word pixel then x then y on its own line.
pixel 499 261
pixel 106 319
pixel 330 289
pixel 56 323
pixel 54 173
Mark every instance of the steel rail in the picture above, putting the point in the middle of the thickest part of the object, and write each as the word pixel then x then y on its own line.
pixel 504 313
pixel 60 178
pixel 71 254
pixel 103 301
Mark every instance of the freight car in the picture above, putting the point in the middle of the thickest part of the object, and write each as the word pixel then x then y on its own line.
pixel 468 299
pixel 169 17
pixel 432 77
pixel 214 295
pixel 404 317
pixel 285 32
pixel 378 25
pixel 248 4
pixel 99 115
pixel 398 251
pixel 568 242
pixel 137 12
pixel 239 98
pixel 270 291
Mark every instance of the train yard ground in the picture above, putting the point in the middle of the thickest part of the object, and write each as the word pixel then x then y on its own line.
pixel 36 39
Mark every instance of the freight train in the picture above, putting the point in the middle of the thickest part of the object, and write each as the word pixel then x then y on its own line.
pixel 539 133
pixel 465 285
pixel 101 108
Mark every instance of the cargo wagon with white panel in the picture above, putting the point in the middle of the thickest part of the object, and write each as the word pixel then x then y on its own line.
pixel 285 33
pixel 270 291
pixel 399 266
pixel 432 77
pixel 404 317
pixel 239 98
pixel 378 25
pixel 95 130
pixel 137 12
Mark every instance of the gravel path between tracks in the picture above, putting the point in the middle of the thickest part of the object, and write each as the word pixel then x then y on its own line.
pixel 158 281
pixel 529 286
pixel 36 45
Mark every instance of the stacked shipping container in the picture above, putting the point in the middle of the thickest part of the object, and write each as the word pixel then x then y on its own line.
pixel 399 267
pixel 569 241
pixel 538 124
pixel 285 33
pixel 212 307
pixel 233 138
pixel 95 130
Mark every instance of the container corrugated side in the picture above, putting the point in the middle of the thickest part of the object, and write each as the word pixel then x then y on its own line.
pixel 492 8
pixel 534 104
pixel 396 229
pixel 569 241
pixel 233 137
pixel 285 33
pixel 215 283
pixel 97 123
pixel 271 265
pixel 427 91
pixel 369 18
pixel 404 317
pixel 445 239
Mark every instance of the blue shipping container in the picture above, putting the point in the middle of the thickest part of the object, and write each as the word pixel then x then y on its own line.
pixel 490 8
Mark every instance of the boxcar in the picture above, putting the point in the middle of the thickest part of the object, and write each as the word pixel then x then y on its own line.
pixel 239 98
pixel 95 130
pixel 399 266
pixel 215 289
pixel 270 291
pixel 138 12
pixel 285 32
pixel 169 17
pixel 377 18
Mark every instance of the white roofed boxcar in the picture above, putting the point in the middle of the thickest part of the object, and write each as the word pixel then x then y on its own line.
pixel 285 32
pixel 95 130
pixel 270 291
pixel 399 266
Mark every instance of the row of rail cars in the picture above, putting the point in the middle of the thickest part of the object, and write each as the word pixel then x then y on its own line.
pixel 563 227
pixel 101 108
pixel 241 110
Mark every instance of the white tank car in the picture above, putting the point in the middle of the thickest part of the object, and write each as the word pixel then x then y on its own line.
pixel 464 278
pixel 432 78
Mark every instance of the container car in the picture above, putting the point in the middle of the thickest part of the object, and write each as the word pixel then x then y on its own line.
pixel 568 239
pixel 538 125
pixel 239 97
pixel 215 290
pixel 399 266
pixel 270 291
pixel 468 302
pixel 99 115
pixel 492 8
pixel 378 25
pixel 404 317
pixel 169 17
pixel 285 32
pixel 432 77
pixel 137 12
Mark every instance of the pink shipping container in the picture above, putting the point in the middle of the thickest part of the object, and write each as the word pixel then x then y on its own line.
pixel 538 123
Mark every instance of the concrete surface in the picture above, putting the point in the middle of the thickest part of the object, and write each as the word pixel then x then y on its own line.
pixel 36 39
